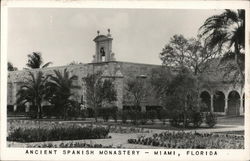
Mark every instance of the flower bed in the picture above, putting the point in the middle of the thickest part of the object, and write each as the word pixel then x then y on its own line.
pixel 123 130
pixel 57 133
pixel 69 145
pixel 184 140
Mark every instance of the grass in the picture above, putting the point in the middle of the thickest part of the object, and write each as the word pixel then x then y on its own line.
pixel 231 120
pixel 232 132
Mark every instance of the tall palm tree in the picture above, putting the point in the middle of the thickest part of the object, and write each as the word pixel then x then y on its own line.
pixel 225 34
pixel 59 90
pixel 11 67
pixel 35 61
pixel 32 91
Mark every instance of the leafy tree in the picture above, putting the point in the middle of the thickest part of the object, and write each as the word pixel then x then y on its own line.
pixel 182 95
pixel 11 67
pixel 59 91
pixel 177 91
pixel 160 80
pixel 99 91
pixel 33 92
pixel 35 61
pixel 225 34
pixel 136 91
pixel 189 53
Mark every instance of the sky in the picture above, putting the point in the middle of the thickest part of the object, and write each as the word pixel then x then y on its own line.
pixel 64 35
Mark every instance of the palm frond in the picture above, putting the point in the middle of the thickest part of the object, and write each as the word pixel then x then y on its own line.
pixel 47 64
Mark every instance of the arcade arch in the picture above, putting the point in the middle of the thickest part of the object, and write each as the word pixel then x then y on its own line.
pixel 219 101
pixel 233 103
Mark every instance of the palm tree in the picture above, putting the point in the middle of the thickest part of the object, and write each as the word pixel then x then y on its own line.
pixel 11 67
pixel 225 34
pixel 35 61
pixel 32 91
pixel 59 90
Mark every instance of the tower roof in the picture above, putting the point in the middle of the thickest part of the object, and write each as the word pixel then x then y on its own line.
pixel 102 38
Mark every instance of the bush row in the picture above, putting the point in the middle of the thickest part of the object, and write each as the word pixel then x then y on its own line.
pixel 57 133
pixel 138 117
pixel 184 140
pixel 69 145
pixel 186 119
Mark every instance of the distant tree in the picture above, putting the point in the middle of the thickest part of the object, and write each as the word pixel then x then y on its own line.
pixel 189 53
pixel 225 34
pixel 136 90
pixel 75 63
pixel 98 91
pixel 35 61
pixel 58 91
pixel 160 80
pixel 11 67
pixel 33 92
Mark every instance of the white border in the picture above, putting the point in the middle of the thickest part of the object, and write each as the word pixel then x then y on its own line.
pixel 18 153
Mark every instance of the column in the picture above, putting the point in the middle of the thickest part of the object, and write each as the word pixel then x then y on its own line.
pixel 226 106
pixel 143 108
pixel 241 106
pixel 27 107
pixel 212 103
pixel 14 96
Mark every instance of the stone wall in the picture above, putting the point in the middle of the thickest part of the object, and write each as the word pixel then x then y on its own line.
pixel 119 71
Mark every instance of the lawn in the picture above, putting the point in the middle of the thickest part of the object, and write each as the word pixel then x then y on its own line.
pixel 232 132
pixel 231 120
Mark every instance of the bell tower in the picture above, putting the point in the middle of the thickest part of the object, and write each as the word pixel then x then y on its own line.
pixel 103 45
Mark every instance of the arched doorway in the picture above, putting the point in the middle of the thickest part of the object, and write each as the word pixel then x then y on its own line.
pixel 233 103
pixel 206 99
pixel 219 102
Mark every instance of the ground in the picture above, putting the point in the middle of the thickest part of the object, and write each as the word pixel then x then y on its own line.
pixel 226 125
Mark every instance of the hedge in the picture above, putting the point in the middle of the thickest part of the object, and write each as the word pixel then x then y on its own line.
pixel 57 133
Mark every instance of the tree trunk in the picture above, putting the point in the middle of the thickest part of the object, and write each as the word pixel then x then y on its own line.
pixel 237 53
pixel 185 113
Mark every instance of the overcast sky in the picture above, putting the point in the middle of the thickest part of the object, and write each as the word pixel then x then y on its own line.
pixel 66 35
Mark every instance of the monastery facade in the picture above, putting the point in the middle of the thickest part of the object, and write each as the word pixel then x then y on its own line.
pixel 222 98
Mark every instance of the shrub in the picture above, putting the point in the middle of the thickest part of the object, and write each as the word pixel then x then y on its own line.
pixel 114 113
pixel 57 133
pixel 210 119
pixel 176 118
pixel 152 115
pixel 124 116
pixel 91 112
pixel 104 113
pixel 184 119
pixel 83 113
pixel 134 116
pixel 163 115
pixel 197 119
pixel 107 112
pixel 143 117
pixel 73 109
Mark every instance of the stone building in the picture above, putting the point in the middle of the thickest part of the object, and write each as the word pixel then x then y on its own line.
pixel 222 98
